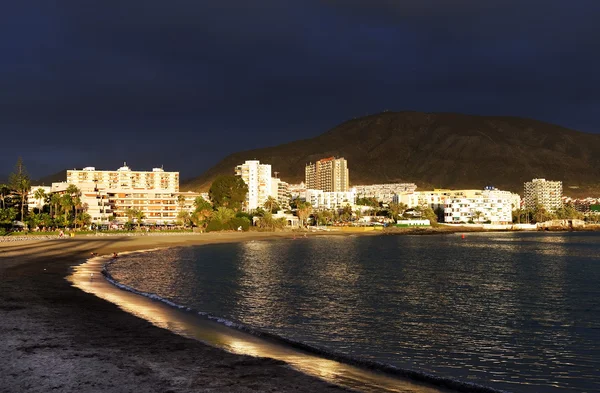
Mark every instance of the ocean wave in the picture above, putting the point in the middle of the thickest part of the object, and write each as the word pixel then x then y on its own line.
pixel 414 375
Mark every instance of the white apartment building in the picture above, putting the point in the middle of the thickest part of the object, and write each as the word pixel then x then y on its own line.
pixel 488 207
pixel 107 195
pixel 328 174
pixel 384 192
pixel 280 190
pixel 257 177
pixel 468 201
pixel 543 192
pixel 36 203
pixel 330 200
pixel 434 199
pixel 297 191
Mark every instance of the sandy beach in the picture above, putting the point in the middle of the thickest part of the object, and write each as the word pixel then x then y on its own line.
pixel 58 338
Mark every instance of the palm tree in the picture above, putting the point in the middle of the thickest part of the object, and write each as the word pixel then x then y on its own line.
pixel 303 210
pixel 139 216
pixel 202 213
pixel 396 209
pixel 271 204
pixel 477 216
pixel 181 202
pixel 4 192
pixel 66 202
pixel 75 194
pixel 223 215
pixel 40 195
pixel 55 201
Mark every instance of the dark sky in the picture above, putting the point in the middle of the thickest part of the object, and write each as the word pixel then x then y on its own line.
pixel 182 83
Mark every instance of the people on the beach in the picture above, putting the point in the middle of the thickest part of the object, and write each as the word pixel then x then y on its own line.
pixel 61 234
pixel 92 276
pixel 115 255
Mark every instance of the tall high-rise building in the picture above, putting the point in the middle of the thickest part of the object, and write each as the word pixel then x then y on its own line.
pixel 543 192
pixel 328 174
pixel 257 177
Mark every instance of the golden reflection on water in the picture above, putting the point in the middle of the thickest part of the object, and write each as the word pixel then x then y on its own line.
pixel 235 341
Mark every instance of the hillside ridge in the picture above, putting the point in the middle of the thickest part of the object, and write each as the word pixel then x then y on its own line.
pixel 441 150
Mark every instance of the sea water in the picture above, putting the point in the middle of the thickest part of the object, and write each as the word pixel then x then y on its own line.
pixel 512 311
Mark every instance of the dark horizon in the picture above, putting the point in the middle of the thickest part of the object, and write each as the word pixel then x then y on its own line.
pixel 185 84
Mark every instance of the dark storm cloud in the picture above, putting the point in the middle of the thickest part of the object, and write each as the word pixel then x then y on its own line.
pixel 130 76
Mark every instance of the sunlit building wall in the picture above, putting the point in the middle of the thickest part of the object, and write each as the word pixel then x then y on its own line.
pixel 328 174
pixel 330 200
pixel 384 192
pixel 108 195
pixel 544 193
pixel 257 177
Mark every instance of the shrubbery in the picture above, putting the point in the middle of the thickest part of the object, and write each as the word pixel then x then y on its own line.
pixel 233 225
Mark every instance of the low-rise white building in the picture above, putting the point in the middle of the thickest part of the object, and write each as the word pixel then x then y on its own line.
pixel 330 200
pixel 491 208
pixel 384 192
pixel 439 197
pixel 297 191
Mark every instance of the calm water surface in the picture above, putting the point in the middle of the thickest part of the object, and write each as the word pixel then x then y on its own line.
pixel 514 311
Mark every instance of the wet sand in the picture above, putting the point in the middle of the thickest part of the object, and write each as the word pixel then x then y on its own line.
pixel 58 338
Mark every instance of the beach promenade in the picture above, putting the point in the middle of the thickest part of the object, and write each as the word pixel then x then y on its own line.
pixel 58 338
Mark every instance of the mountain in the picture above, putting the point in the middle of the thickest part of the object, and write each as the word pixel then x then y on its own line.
pixel 48 180
pixel 441 150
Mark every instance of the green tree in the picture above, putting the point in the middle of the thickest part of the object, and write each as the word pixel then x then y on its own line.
pixel 4 193
pixel 223 215
pixel 202 213
pixel 271 204
pixel 477 215
pixel 7 216
pixel 34 220
pixel 184 217
pixel 364 201
pixel 396 209
pixel 346 213
pixel 45 220
pixel 303 210
pixel 135 216
pixel 75 194
pixel 568 213
pixel 20 183
pixel 228 191
pixel 40 195
pixel 267 221
pixel 66 203
pixel 83 219
pixel 427 213
pixel 181 202
pixel 55 201
pixel 540 214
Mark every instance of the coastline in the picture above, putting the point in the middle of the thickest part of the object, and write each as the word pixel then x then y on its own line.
pixel 59 337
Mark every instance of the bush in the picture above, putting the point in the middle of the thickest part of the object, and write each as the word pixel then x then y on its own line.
pixel 244 215
pixel 215 225
pixel 231 225
pixel 237 222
